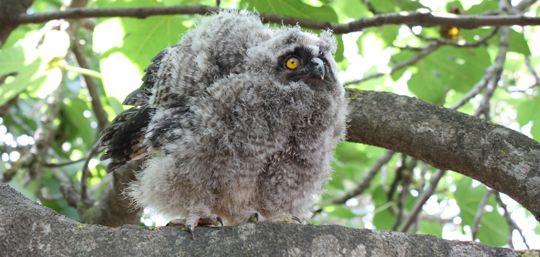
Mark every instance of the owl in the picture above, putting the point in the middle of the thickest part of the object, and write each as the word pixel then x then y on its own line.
pixel 238 120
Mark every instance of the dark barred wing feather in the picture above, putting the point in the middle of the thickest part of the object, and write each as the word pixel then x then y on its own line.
pixel 122 140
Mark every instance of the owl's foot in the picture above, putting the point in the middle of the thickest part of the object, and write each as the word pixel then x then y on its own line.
pixel 284 219
pixel 190 223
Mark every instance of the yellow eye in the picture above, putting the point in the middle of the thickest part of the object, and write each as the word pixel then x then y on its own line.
pixel 292 63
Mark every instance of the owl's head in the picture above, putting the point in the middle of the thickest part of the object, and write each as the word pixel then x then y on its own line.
pixel 295 56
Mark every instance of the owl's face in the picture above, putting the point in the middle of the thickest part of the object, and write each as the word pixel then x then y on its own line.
pixel 294 56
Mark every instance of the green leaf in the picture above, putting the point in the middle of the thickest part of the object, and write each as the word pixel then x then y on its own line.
pixel 347 9
pixel 339 211
pixel 527 111
pixel 428 86
pixel 448 68
pixel 383 218
pixel 430 228
pixel 128 46
pixel 468 199
pixel 517 43
pixel 299 9
pixel 395 5
pixel 389 33
pixel 483 7
pixel 493 229
pixel 20 73
pixel 80 126
pixel 294 8
pixel 350 152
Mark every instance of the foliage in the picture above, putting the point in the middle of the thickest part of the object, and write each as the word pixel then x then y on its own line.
pixel 37 59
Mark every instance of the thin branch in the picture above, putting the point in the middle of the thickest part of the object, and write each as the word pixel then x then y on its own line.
pixel 480 42
pixel 406 175
pixel 496 72
pixel 62 164
pixel 370 6
pixel 97 107
pixel 366 180
pixel 85 173
pixel 422 199
pixel 424 52
pixel 524 5
pixel 412 19
pixel 532 71
pixel 480 213
pixel 421 54
pixel 511 223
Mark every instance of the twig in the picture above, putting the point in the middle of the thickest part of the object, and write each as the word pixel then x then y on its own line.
pixel 465 44
pixel 422 199
pixel 524 5
pixel 397 179
pixel 97 107
pixel 532 71
pixel 421 54
pixel 475 89
pixel 370 7
pixel 67 188
pixel 496 73
pixel 85 173
pixel 62 164
pixel 412 19
pixel 480 213
pixel 366 181
pixel 424 52
pixel 511 223
pixel 406 175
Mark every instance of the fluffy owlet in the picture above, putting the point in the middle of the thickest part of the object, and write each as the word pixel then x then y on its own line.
pixel 238 119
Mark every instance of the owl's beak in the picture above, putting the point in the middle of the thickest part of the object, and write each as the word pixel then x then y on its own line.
pixel 317 67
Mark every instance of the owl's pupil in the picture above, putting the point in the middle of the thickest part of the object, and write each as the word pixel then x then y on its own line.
pixel 292 63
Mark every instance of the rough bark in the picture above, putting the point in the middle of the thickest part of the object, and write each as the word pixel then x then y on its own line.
pixel 28 229
pixel 9 10
pixel 501 158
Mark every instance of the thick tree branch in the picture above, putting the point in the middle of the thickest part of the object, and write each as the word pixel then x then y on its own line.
pixel 28 229
pixel 501 158
pixel 415 18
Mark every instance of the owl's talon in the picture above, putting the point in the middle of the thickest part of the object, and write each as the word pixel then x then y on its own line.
pixel 191 230
pixel 285 219
pixel 220 220
pixel 210 222
pixel 254 218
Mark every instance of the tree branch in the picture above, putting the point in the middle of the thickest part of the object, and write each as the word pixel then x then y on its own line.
pixel 29 229
pixel 480 213
pixel 97 107
pixel 422 200
pixel 501 158
pixel 414 18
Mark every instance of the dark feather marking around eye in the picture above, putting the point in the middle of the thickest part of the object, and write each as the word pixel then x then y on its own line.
pixel 301 53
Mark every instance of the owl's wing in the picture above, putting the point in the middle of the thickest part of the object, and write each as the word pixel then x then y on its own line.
pixel 123 139
pixel 141 95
